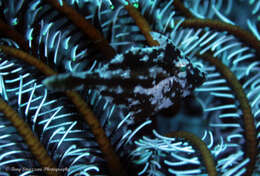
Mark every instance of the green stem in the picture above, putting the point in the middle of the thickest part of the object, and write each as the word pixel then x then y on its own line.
pixel 37 149
pixel 87 28
pixel 198 144
pixel 111 157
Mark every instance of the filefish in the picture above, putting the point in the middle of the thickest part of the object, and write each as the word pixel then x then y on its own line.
pixel 144 79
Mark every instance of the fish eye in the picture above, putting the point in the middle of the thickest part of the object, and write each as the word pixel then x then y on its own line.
pixel 181 64
pixel 182 69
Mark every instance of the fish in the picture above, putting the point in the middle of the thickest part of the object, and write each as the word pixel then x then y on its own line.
pixel 144 79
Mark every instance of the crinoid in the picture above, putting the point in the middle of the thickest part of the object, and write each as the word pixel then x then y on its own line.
pixel 121 87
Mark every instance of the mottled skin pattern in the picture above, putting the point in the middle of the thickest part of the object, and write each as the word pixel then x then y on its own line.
pixel 146 80
pixel 160 76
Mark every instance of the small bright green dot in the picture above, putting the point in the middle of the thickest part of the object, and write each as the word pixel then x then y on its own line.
pixel 136 5
pixel 14 21
pixel 251 2
pixel 159 17
pixel 258 18
pixel 182 69
pixel 112 7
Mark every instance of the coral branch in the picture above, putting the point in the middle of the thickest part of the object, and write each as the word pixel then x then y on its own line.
pixel 207 158
pixel 104 143
pixel 245 36
pixel 31 140
pixel 11 33
pixel 142 24
pixel 28 58
pixel 241 34
pixel 249 125
pixel 87 28
pixel 178 5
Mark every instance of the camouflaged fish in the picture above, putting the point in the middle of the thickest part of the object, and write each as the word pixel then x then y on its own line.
pixel 146 80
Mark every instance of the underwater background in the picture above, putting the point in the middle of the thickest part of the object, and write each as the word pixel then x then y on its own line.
pixel 93 119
